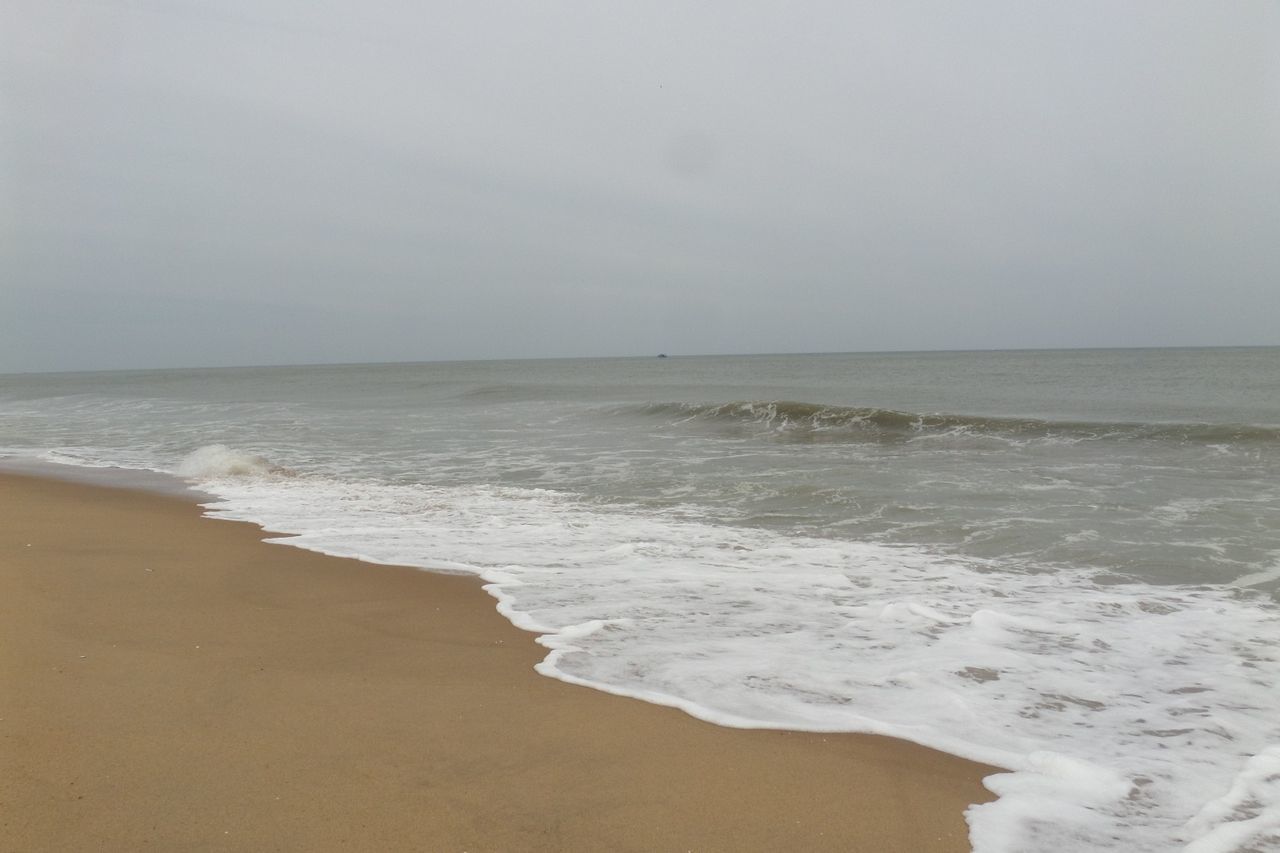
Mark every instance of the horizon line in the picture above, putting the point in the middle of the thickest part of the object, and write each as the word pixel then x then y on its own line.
pixel 668 355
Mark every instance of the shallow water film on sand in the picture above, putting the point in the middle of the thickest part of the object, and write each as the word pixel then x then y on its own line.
pixel 1063 563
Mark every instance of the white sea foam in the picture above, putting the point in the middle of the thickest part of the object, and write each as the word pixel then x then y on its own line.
pixel 1263 576
pixel 1247 816
pixel 81 460
pixel 1130 717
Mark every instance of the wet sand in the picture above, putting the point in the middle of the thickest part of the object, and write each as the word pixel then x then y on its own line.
pixel 170 682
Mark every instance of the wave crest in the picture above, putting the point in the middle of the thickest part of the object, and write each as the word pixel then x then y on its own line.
pixel 218 460
pixel 800 420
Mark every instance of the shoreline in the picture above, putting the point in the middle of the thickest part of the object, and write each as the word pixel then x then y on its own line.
pixel 171 681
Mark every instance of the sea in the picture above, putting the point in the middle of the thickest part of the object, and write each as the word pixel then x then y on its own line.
pixel 1062 563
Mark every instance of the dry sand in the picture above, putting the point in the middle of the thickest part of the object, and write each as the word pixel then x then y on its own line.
pixel 172 683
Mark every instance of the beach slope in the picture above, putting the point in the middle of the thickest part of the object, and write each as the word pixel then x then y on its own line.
pixel 169 682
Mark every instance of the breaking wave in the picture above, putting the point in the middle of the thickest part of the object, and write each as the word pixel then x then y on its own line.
pixel 800 420
pixel 217 460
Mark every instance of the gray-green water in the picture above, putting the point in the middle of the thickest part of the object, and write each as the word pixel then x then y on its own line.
pixel 1161 463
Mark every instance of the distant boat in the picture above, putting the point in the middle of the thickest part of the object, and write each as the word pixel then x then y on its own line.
pixel 662 355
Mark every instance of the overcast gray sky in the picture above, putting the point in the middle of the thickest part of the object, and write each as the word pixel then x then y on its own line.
pixel 284 181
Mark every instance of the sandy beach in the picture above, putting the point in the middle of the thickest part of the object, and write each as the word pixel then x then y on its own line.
pixel 170 682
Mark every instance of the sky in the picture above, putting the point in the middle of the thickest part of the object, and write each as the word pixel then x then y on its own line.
pixel 188 183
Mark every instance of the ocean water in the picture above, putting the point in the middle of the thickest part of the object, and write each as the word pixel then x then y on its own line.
pixel 1065 563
